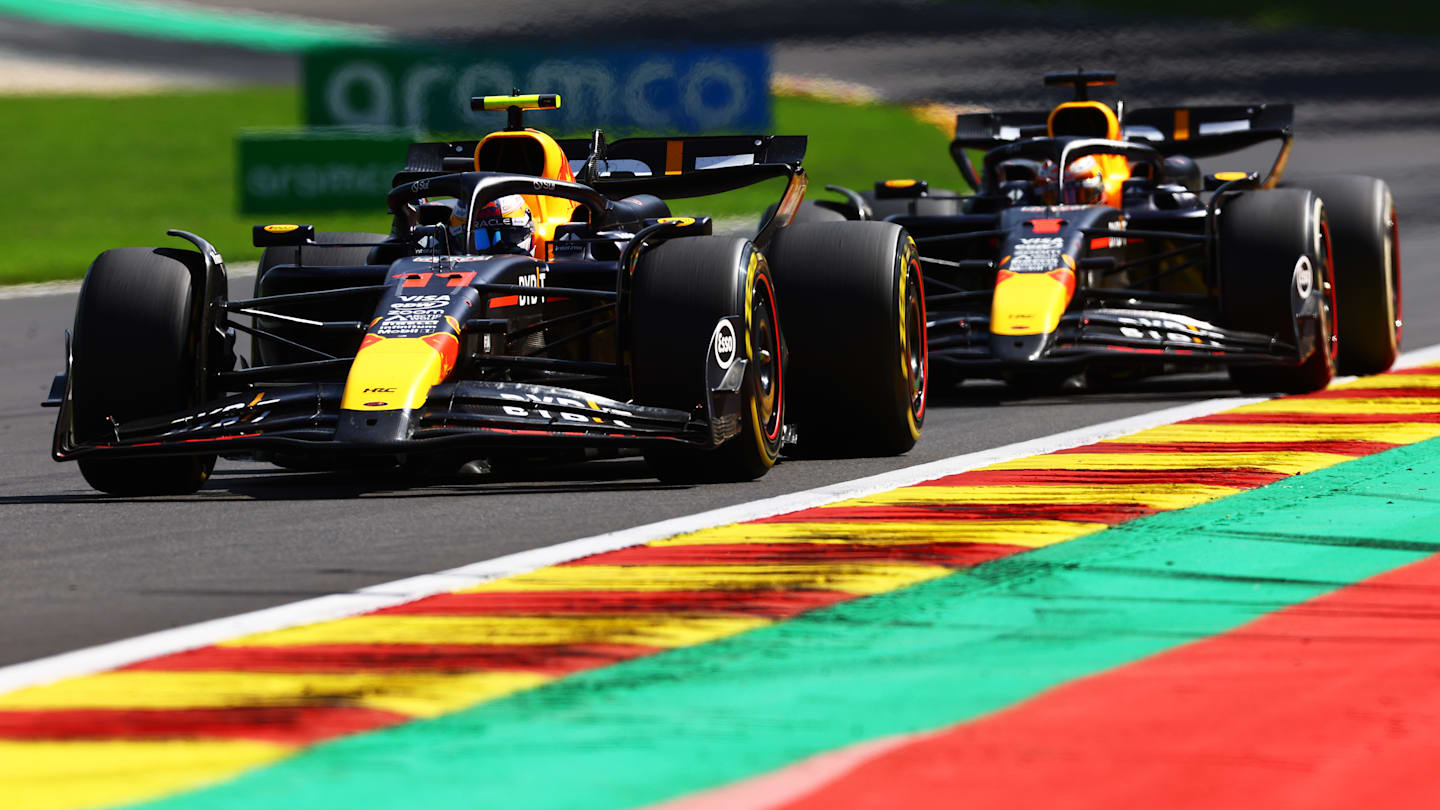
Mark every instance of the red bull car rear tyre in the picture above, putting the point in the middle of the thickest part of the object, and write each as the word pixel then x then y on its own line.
pixel 855 312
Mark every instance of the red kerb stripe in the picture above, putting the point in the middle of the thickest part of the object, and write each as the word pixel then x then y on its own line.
pixel 543 658
pixel 957 555
pixel 280 724
pixel 772 604
pixel 1239 477
pixel 1085 513
pixel 1343 447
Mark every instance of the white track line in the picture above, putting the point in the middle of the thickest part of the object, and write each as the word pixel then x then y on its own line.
pixel 46 288
pixel 336 606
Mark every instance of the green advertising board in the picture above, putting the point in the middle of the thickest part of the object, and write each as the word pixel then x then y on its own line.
pixel 321 169
pixel 659 88
pixel 364 106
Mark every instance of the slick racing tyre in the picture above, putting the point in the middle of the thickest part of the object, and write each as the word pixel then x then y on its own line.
pixel 265 352
pixel 940 202
pixel 1274 255
pixel 134 345
pixel 855 324
pixel 682 289
pixel 1365 242
pixel 319 256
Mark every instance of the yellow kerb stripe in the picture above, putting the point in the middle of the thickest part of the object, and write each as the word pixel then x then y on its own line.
pixel 1029 533
pixel 1395 405
pixel 1393 432
pixel 1393 381
pixel 55 775
pixel 650 630
pixel 411 693
pixel 857 578
pixel 1285 462
pixel 1158 496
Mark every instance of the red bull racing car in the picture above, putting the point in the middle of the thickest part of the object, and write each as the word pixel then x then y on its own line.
pixel 1093 244
pixel 533 295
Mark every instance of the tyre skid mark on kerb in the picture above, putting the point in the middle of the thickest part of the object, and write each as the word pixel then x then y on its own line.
pixel 289 685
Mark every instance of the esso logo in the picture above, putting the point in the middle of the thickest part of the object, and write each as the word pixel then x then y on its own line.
pixel 724 341
pixel 1304 276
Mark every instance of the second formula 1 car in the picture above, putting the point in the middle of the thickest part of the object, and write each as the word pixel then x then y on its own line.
pixel 533 296
pixel 1094 245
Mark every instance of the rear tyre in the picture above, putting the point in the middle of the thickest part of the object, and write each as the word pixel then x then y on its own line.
pixel 1365 241
pixel 682 289
pixel 1275 260
pixel 135 340
pixel 855 324
pixel 944 203
pixel 319 256
pixel 309 257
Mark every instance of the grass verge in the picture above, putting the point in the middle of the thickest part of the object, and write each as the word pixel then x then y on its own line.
pixel 117 172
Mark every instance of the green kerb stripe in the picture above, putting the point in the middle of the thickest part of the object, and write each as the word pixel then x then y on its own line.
pixel 253 30
pixel 935 654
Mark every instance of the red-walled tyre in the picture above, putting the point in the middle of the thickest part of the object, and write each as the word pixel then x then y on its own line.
pixel 1274 253
pixel 1365 241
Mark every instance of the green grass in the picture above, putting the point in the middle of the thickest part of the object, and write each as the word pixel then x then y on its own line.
pixel 88 174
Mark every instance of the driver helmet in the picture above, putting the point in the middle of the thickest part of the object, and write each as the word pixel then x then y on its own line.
pixel 502 225
pixel 1046 176
pixel 1084 182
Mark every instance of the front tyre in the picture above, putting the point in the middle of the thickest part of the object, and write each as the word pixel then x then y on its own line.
pixel 855 323
pixel 1275 262
pixel 135 341
pixel 1365 239
pixel 681 291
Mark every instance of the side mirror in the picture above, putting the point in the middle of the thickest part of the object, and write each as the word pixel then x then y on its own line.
pixel 273 235
pixel 435 214
pixel 1181 170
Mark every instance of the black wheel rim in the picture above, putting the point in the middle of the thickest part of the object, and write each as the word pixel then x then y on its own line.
pixel 1328 332
pixel 765 359
pixel 1392 251
pixel 915 366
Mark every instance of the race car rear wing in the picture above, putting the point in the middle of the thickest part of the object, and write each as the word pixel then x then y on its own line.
pixel 666 167
pixel 669 168
pixel 687 167
pixel 1193 131
pixel 1209 131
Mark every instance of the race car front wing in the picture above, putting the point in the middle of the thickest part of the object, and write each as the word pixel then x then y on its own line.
pixel 965 342
pixel 468 414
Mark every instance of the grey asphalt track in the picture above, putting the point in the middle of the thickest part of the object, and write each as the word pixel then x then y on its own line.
pixel 78 569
